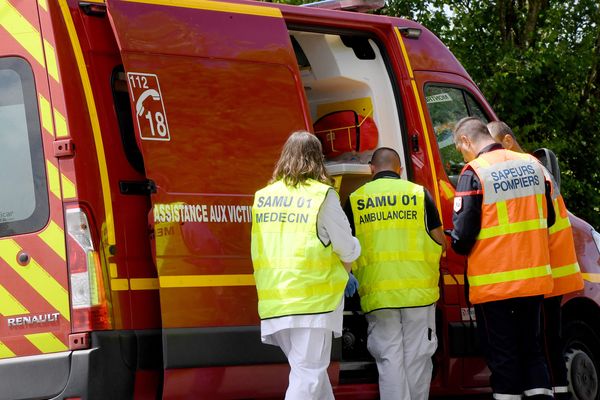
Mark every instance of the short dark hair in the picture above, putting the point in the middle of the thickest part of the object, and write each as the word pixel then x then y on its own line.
pixel 384 156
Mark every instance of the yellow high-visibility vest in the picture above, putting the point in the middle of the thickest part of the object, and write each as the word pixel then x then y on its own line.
pixel 510 257
pixel 295 272
pixel 399 261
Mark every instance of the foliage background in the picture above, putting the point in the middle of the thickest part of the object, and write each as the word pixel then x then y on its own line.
pixel 536 61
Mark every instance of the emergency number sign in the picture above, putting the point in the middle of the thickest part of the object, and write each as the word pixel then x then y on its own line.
pixel 149 108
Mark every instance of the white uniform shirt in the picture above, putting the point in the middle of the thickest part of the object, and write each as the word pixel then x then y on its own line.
pixel 332 227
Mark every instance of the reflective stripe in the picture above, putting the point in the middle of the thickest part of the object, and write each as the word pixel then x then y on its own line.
pixel 516 227
pixel 216 6
pixel 508 276
pixel 54 237
pixel 9 305
pixel 560 389
pixel 51 63
pixel 206 280
pixel 46 342
pixel 61 124
pixel 500 396
pixel 37 277
pixel 43 4
pixel 502 210
pixel 119 284
pixel 300 292
pixel 384 285
pixel 383 256
pixel 68 187
pixel 538 391
pixel 143 283
pixel 24 32
pixel 263 263
pixel 46 114
pixel 559 225
pixel 559 272
pixel 53 179
pixel 5 352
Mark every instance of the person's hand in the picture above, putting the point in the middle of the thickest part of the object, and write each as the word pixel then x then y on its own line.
pixel 351 286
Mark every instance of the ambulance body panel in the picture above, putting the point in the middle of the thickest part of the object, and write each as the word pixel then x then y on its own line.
pixel 148 130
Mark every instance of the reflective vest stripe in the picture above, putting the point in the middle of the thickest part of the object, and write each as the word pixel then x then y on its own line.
pixel 307 291
pixel 508 276
pixel 382 256
pixel 565 270
pixel 516 227
pixel 405 283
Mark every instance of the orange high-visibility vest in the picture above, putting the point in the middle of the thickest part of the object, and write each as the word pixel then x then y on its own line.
pixel 510 257
pixel 563 258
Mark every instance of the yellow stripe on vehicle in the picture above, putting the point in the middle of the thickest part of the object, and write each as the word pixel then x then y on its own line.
pixel 9 305
pixel 112 268
pixel 143 283
pixel 206 280
pixel 46 114
pixel 54 237
pixel 91 105
pixel 422 118
pixel 51 63
pixel 216 6
pixel 61 124
pixel 53 179
pixel 46 342
pixel 68 187
pixel 118 285
pixel 43 4
pixel 591 277
pixel 37 277
pixel 5 352
pixel 22 31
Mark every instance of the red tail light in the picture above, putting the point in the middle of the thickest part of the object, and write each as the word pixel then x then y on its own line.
pixel 89 304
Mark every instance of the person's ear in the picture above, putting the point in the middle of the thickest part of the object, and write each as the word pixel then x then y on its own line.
pixel 507 142
pixel 372 169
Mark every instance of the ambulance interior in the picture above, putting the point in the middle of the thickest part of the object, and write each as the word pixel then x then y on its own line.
pixel 349 73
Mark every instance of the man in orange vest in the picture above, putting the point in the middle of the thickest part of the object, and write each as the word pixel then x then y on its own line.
pixel 565 271
pixel 501 215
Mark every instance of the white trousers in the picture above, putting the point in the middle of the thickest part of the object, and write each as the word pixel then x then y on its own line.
pixel 308 351
pixel 402 341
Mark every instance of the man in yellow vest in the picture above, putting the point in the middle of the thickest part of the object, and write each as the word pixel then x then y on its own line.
pixel 565 270
pixel 400 233
pixel 501 215
pixel 302 250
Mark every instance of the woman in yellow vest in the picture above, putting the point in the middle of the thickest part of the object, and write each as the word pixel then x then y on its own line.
pixel 565 270
pixel 302 249
pixel 400 233
pixel 502 209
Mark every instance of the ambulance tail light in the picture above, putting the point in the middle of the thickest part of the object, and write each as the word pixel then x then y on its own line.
pixel 89 306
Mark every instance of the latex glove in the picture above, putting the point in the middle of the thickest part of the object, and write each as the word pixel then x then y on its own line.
pixel 351 286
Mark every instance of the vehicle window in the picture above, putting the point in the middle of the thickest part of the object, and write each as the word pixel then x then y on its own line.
pixel 447 105
pixel 24 197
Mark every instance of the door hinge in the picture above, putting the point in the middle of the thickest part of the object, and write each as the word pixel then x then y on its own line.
pixel 64 148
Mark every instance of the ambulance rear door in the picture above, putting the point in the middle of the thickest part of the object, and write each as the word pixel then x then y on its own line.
pixel 35 318
pixel 215 91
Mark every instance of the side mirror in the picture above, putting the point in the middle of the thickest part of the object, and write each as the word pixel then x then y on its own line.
pixel 549 160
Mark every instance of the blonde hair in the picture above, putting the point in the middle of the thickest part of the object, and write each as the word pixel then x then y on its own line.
pixel 301 159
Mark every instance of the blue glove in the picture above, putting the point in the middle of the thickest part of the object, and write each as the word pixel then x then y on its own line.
pixel 351 286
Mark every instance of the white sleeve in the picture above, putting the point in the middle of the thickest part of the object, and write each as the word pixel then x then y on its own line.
pixel 333 227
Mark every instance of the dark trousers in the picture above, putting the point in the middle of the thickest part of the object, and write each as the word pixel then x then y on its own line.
pixel 554 344
pixel 510 335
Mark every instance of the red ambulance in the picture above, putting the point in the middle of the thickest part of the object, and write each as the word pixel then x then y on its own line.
pixel 134 134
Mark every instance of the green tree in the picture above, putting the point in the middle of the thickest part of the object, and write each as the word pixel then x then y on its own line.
pixel 537 63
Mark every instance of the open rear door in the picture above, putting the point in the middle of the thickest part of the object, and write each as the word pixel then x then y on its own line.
pixel 215 92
